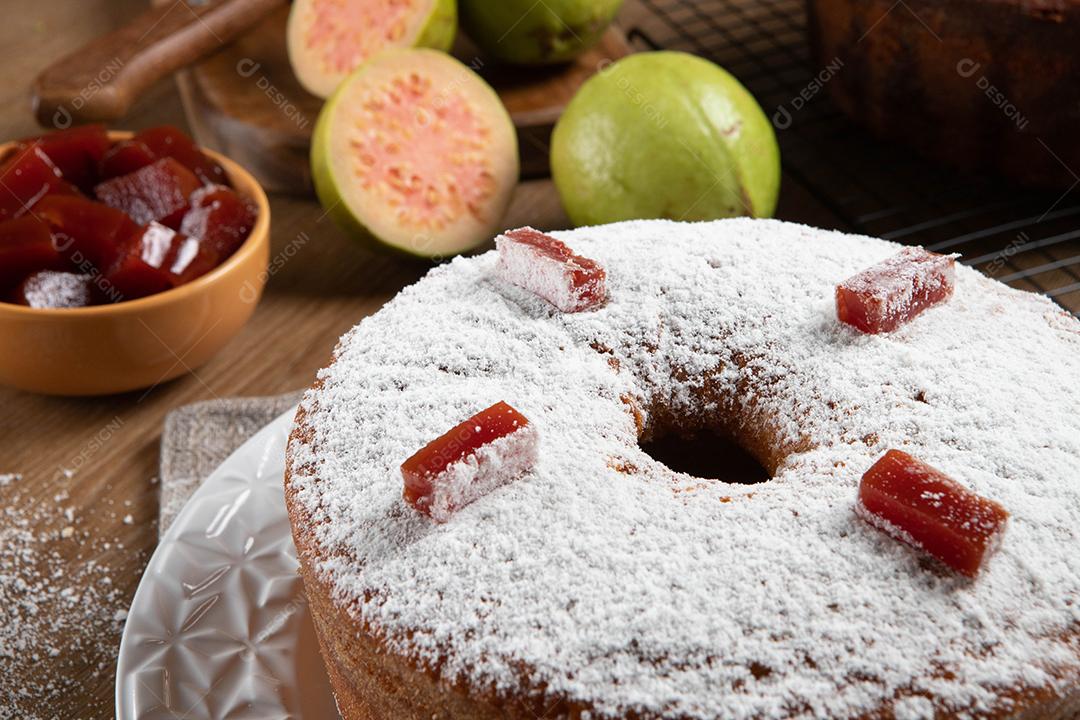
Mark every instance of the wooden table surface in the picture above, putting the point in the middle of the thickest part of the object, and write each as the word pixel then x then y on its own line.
pixel 103 452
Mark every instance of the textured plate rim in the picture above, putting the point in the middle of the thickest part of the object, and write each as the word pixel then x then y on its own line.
pixel 165 547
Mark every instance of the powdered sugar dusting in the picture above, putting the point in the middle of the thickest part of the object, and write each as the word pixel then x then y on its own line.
pixel 611 589
pixel 49 289
pixel 886 527
pixel 60 612
pixel 915 708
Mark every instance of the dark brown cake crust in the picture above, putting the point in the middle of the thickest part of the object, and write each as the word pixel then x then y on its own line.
pixel 981 85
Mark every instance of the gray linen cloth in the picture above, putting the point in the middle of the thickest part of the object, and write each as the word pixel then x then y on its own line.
pixel 198 437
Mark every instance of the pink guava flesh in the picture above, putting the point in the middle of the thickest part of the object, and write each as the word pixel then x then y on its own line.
pixel 424 150
pixel 347 32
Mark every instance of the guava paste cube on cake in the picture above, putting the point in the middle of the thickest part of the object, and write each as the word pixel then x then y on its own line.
pixel 546 267
pixel 51 289
pixel 889 294
pixel 490 449
pixel 159 192
pixel 920 505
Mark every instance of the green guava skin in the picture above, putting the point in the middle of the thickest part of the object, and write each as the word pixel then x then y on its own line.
pixel 664 135
pixel 325 185
pixel 331 197
pixel 526 32
pixel 441 27
pixel 437 33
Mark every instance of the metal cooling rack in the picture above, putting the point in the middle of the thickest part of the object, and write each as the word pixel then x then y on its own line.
pixel 1028 239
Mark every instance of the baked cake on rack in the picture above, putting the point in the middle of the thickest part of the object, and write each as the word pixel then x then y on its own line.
pixel 482 535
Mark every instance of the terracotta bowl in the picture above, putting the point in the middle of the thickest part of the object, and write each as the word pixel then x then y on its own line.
pixel 138 343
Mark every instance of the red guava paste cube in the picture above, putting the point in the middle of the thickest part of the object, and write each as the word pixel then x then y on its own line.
pixel 125 157
pixel 26 246
pixel 159 193
pixel 89 234
pixel 490 449
pixel 50 289
pixel 887 295
pixel 169 141
pixel 220 218
pixel 156 259
pixel 927 509
pixel 76 152
pixel 25 178
pixel 547 267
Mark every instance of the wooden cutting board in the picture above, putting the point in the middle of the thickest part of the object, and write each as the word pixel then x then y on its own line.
pixel 245 102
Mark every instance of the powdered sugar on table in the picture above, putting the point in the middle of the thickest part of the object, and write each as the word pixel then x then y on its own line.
pixel 60 612
pixel 646 593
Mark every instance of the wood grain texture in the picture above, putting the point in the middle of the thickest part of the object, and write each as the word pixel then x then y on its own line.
pixel 102 80
pixel 322 286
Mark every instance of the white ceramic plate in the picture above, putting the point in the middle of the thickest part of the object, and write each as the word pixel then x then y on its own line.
pixel 219 626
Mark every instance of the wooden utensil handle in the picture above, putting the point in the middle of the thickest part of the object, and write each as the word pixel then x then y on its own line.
pixel 101 80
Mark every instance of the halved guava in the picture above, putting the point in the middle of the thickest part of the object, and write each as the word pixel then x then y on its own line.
pixel 328 39
pixel 414 151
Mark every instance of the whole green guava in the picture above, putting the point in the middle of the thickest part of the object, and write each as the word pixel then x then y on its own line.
pixel 527 32
pixel 664 135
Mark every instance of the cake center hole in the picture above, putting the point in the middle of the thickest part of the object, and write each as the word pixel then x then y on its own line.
pixel 707 455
